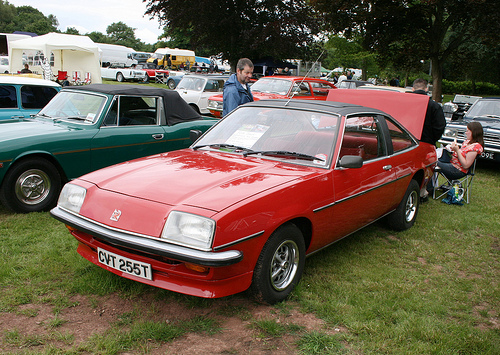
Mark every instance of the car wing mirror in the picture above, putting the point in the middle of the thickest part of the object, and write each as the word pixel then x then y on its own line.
pixel 351 161
pixel 194 134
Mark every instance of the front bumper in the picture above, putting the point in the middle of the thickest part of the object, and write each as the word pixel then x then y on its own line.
pixel 143 244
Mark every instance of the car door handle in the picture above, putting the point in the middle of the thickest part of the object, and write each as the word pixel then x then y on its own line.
pixel 158 136
pixel 387 167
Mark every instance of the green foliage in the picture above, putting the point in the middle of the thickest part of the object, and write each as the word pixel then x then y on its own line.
pixel 25 18
pixel 470 88
pixel 279 29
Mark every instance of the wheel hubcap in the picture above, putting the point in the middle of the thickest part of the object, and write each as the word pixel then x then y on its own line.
pixel 411 206
pixel 32 186
pixel 284 265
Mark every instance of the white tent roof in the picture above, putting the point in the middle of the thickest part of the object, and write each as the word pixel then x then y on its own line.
pixel 71 53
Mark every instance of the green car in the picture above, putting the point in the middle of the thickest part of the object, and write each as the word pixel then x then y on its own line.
pixel 85 128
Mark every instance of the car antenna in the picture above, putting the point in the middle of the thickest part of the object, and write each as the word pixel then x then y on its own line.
pixel 304 78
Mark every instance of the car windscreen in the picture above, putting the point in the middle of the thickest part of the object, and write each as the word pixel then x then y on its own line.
pixel 190 83
pixel 272 86
pixel 485 108
pixel 292 135
pixel 77 107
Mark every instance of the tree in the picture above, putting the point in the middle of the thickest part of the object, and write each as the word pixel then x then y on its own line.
pixel 72 31
pixel 239 28
pixel 120 33
pixel 346 53
pixel 412 30
pixel 26 19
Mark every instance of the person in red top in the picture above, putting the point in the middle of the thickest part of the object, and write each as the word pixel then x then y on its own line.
pixel 456 161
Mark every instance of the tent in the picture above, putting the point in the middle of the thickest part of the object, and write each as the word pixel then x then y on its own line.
pixel 70 53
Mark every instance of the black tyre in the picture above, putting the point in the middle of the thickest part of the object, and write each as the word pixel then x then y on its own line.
pixel 31 185
pixel 195 108
pixel 146 78
pixel 405 215
pixel 280 265
pixel 171 84
pixel 119 77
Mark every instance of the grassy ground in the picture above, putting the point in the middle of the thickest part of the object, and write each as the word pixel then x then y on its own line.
pixel 430 290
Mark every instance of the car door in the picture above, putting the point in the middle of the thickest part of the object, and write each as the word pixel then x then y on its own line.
pixel 129 130
pixel 364 194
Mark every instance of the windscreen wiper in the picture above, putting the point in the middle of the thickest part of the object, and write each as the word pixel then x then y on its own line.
pixel 223 146
pixel 285 154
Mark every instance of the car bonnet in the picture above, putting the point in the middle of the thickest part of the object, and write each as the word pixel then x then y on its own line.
pixel 204 179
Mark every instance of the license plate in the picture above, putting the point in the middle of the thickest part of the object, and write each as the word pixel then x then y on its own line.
pixel 487 155
pixel 126 265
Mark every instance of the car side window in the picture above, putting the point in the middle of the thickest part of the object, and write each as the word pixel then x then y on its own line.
pixel 320 89
pixel 133 111
pixel 400 139
pixel 8 98
pixel 362 137
pixel 301 89
pixel 34 96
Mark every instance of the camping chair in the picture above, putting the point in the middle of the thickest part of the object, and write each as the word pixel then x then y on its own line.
pixel 159 78
pixel 76 78
pixel 464 182
pixel 62 75
pixel 88 79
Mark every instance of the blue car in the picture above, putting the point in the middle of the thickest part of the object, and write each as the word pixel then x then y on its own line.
pixel 21 97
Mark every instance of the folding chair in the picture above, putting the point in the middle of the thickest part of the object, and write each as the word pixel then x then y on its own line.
pixel 88 79
pixel 464 182
pixel 159 78
pixel 76 78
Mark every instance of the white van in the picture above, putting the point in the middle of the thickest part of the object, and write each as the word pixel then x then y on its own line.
pixel 116 54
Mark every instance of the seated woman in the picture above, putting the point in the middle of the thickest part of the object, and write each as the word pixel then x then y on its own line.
pixel 455 162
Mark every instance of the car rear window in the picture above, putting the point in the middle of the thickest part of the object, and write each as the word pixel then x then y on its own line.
pixel 8 97
pixel 33 96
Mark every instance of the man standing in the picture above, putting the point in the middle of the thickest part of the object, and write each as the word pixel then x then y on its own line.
pixel 236 89
pixel 435 122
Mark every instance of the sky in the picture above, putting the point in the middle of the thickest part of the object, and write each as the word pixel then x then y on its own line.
pixel 96 15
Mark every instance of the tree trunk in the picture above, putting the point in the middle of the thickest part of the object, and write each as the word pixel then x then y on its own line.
pixel 437 79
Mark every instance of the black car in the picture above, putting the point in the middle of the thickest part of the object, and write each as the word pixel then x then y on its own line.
pixel 487 112
pixel 455 110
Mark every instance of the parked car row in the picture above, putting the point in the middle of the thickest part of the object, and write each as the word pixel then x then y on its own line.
pixel 280 87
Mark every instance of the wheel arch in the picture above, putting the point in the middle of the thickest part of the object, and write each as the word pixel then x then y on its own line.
pixel 305 227
pixel 39 154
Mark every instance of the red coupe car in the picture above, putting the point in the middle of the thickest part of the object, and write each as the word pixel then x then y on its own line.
pixel 280 87
pixel 273 182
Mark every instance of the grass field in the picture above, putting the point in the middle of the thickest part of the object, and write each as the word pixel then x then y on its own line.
pixel 430 290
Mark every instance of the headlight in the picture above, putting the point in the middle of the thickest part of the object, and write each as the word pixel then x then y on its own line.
pixel 189 230
pixel 448 132
pixel 72 197
pixel 450 107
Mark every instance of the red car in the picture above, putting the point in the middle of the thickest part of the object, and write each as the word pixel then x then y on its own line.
pixel 273 182
pixel 152 71
pixel 280 87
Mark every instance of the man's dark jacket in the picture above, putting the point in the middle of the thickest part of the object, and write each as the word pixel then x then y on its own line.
pixel 434 123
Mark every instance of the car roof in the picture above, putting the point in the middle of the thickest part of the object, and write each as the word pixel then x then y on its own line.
pixel 207 76
pixel 176 109
pixel 292 77
pixel 383 87
pixel 23 80
pixel 332 107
